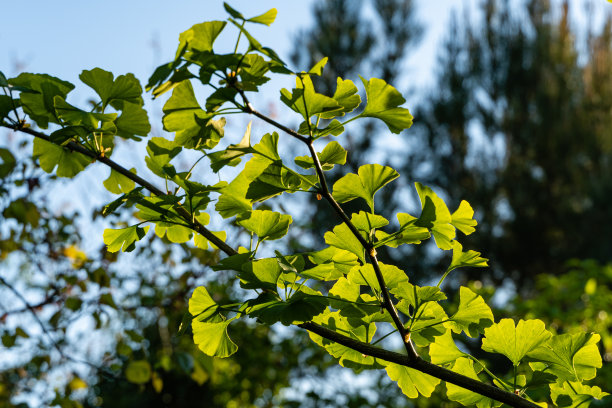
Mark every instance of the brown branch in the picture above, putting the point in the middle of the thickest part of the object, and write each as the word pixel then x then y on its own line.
pixel 423 366
pixel 75 147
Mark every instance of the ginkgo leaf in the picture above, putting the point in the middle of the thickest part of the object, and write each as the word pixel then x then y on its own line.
pixel 117 183
pixel 463 218
pixel 513 341
pixel 444 350
pixel 370 179
pixel 260 274
pixel 428 324
pixel 267 225
pixel 473 314
pixel 365 275
pixel 416 295
pixel 175 233
pixel 299 308
pixel 366 222
pixel 123 239
pixel 347 356
pixel 412 382
pixel 201 304
pixel 465 259
pixel 574 394
pixel 347 97
pixel 465 397
pixel 342 237
pixel 332 154
pixel 317 69
pixel 306 101
pixel 212 338
pixel 200 37
pixel 342 260
pixel 383 102
pixel 435 216
pixel 266 18
pixel 570 357
pixel 50 155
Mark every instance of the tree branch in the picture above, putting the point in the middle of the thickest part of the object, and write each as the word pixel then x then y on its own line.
pixel 423 366
pixel 75 147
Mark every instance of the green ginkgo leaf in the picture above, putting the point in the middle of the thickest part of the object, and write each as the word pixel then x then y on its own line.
pixel 347 356
pixel 412 382
pixel 383 102
pixel 123 239
pixel 444 350
pixel 317 69
pixel 267 225
pixel 125 88
pixel 465 397
pixel 463 218
pixel 435 216
pixel 367 222
pixel 332 154
pixel 50 155
pixel 473 314
pixel 212 338
pixel 260 274
pixel 465 259
pixel 365 275
pixel 342 237
pixel 299 308
pixel 201 304
pixel 38 103
pixel 306 101
pixel 428 324
pixel 571 357
pixel 574 394
pixel 416 295
pixel 266 18
pixel 200 37
pixel 342 260
pixel 370 179
pixel 117 183
pixel 347 97
pixel 513 341
pixel 174 233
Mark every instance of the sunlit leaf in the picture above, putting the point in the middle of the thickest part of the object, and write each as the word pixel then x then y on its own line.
pixel 473 315
pixel 370 179
pixel 123 239
pixel 267 225
pixel 513 341
pixel 468 398
pixel 50 155
pixel 117 183
pixel 412 382
pixel 332 154
pixel 570 357
pixel 383 102
pixel 201 304
pixel 212 338
pixel 444 350
pixel 342 237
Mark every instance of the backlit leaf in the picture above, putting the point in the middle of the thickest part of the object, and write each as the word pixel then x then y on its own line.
pixel 267 225
pixel 412 382
pixel 370 179
pixel 473 315
pixel 515 341
pixel 50 155
pixel 342 237
pixel 201 305
pixel 212 338
pixel 123 239
pixel 468 398
pixel 383 102
pixel 117 183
